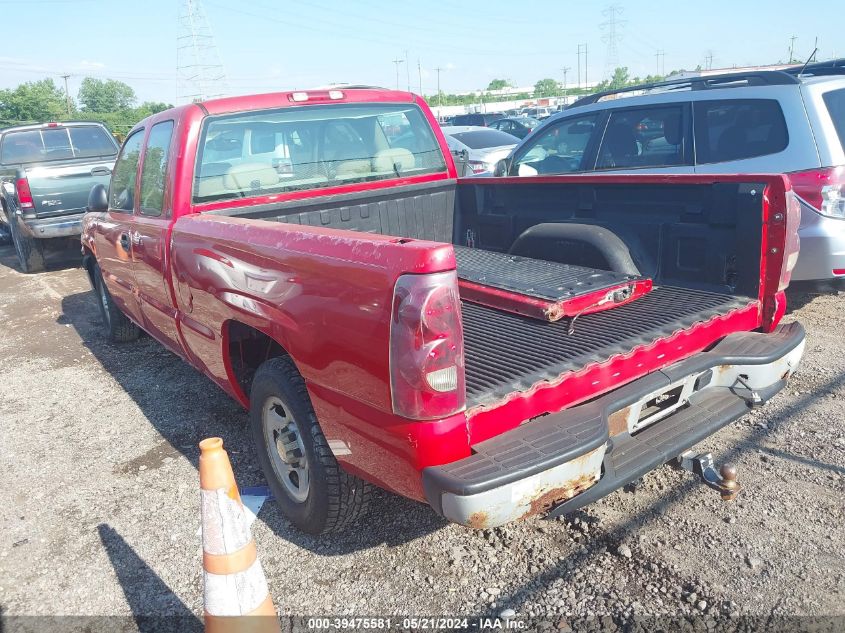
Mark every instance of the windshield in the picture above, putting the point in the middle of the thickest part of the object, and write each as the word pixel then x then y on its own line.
pixel 312 147
pixel 480 139
pixel 56 143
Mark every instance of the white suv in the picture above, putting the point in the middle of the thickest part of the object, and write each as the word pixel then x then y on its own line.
pixel 787 121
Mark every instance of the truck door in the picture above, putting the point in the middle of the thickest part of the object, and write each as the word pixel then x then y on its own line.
pixel 114 250
pixel 150 256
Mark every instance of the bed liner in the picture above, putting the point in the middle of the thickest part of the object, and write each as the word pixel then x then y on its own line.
pixel 507 353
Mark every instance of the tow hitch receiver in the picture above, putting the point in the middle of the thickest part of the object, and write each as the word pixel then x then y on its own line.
pixel 702 465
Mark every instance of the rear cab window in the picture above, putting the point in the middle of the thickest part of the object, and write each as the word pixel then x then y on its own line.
pixel 312 147
pixel 56 143
pixel 559 149
pixel 835 102
pixel 736 129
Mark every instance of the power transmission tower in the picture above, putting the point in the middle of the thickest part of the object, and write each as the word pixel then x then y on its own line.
pixel 613 27
pixel 200 74
pixel 708 60
pixel 67 94
pixel 792 48
pixel 397 62
pixel 439 94
pixel 658 56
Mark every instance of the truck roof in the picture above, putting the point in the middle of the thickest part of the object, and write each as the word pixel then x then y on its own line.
pixel 340 94
pixel 39 126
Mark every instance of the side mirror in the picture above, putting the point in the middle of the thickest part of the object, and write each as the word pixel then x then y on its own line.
pixel 501 168
pixel 98 199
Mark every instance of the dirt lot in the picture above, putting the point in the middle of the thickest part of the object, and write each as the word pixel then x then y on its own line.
pixel 100 499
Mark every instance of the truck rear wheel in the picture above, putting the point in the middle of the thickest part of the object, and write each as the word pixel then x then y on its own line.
pixel 29 250
pixel 119 327
pixel 310 487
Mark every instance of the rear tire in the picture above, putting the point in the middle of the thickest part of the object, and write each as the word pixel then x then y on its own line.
pixel 29 250
pixel 118 326
pixel 312 490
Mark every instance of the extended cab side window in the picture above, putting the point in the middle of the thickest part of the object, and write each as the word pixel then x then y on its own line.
pixel 737 129
pixel 559 149
pixel 122 189
pixel 155 168
pixel 643 137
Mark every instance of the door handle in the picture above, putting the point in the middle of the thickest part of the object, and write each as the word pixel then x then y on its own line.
pixel 100 171
pixel 124 241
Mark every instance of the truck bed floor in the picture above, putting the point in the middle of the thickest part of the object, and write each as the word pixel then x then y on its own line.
pixel 506 352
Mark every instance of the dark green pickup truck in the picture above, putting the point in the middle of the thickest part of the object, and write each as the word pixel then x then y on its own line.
pixel 46 173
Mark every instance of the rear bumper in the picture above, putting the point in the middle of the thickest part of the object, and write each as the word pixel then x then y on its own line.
pixel 822 247
pixel 60 226
pixel 564 461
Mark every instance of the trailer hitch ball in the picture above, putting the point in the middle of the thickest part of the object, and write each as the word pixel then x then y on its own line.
pixel 730 486
pixel 725 480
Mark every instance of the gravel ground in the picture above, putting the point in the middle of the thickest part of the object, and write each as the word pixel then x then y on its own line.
pixel 99 455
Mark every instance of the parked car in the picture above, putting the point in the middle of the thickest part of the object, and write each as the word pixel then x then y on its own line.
pixel 784 121
pixel 387 323
pixel 539 113
pixel 46 172
pixel 484 147
pixel 476 119
pixel 519 127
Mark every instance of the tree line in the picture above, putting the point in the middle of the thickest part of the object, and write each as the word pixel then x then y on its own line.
pixel 110 101
pixel 544 88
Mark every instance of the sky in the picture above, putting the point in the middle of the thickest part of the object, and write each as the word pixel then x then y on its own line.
pixel 268 45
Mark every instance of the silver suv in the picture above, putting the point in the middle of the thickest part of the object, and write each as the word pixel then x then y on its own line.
pixel 788 121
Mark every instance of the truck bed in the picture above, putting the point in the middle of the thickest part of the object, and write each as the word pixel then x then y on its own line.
pixel 507 353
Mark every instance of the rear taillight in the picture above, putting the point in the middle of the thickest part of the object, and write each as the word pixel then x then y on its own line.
pixel 24 194
pixel 792 242
pixel 823 189
pixel 478 167
pixel 426 347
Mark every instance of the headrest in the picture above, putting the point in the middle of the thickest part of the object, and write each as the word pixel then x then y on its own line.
pixel 385 159
pixel 250 176
pixel 672 128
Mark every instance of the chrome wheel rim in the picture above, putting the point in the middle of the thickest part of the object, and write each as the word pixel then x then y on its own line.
pixel 283 441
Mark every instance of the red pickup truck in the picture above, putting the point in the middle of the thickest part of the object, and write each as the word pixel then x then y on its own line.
pixel 495 347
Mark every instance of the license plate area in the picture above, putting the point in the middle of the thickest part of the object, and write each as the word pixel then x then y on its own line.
pixel 657 405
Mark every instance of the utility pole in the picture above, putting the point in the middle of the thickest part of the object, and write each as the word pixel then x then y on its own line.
pixel 708 60
pixel 565 70
pixel 419 73
pixel 439 95
pixel 397 62
pixel 407 71
pixel 67 94
pixel 657 56
pixel 579 66
pixel 613 27
pixel 792 47
pixel 586 79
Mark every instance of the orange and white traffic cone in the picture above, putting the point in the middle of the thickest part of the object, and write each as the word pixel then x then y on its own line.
pixel 236 596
